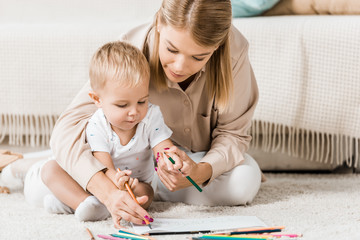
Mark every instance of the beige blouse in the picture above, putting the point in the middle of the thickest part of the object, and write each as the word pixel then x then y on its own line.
pixel 196 123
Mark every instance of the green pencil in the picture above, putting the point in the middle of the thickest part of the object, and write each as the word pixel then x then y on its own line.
pixel 188 178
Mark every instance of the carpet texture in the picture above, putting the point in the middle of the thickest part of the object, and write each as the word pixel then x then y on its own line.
pixel 320 206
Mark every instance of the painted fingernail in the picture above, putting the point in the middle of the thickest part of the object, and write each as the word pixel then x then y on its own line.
pixel 146 217
pixel 158 154
pixel 151 220
pixel 156 169
pixel 157 159
pixel 166 148
pixel 143 222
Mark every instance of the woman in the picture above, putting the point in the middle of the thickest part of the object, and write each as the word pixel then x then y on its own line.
pixel 203 82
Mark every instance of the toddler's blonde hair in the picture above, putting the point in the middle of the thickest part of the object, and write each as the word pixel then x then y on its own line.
pixel 118 61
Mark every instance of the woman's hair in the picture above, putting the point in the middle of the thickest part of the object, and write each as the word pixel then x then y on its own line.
pixel 120 62
pixel 209 22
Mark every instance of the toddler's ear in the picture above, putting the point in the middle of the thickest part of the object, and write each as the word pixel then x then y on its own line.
pixel 95 97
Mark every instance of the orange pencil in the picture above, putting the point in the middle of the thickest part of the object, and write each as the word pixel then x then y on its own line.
pixel 133 197
pixel 90 234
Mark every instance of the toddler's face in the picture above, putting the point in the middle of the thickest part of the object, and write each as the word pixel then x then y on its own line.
pixel 124 107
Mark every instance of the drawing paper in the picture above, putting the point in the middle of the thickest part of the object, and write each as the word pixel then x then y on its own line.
pixel 193 225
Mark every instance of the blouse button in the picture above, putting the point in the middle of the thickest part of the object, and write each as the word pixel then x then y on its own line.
pixel 186 103
pixel 187 130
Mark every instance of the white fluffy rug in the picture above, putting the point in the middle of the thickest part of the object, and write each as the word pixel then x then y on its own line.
pixel 320 206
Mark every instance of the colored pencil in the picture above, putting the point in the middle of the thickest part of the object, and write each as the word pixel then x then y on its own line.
pixel 187 177
pixel 128 232
pixel 134 198
pixel 90 234
pixel 208 237
pixel 263 236
pixel 257 230
pixel 129 236
pixel 135 234
pixel 290 235
pixel 110 237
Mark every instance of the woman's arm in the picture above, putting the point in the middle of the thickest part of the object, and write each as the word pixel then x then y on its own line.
pixel 68 139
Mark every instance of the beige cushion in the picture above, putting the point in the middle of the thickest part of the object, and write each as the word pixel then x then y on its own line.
pixel 311 7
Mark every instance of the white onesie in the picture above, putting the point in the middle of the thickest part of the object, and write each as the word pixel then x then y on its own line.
pixel 137 154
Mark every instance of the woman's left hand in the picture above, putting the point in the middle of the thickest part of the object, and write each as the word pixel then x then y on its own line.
pixel 169 173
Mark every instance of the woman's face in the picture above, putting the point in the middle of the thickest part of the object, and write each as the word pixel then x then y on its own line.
pixel 179 55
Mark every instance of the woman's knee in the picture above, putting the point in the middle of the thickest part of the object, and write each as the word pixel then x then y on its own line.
pixel 244 183
pixel 244 193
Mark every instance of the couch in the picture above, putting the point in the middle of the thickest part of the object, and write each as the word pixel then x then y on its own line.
pixel 307 68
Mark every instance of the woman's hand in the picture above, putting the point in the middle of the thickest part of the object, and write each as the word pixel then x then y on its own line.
pixel 122 206
pixel 169 173
pixel 118 202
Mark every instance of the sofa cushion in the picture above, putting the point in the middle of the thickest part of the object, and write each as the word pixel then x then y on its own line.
pixel 311 7
pixel 248 8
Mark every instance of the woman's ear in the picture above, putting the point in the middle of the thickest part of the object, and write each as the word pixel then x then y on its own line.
pixel 95 97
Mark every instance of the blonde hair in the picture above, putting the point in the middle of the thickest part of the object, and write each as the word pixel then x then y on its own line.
pixel 209 22
pixel 118 61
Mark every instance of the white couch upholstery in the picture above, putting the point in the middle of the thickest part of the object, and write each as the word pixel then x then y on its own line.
pixel 308 71
pixel 307 68
pixel 45 48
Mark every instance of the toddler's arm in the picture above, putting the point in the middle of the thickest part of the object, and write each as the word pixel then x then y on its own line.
pixel 118 178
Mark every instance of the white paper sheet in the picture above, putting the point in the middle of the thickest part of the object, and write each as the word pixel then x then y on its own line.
pixel 171 225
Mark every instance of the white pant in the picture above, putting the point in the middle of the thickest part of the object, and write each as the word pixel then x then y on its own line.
pixel 34 188
pixel 238 186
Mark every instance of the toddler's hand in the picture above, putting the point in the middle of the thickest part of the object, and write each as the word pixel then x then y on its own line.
pixel 133 182
pixel 121 177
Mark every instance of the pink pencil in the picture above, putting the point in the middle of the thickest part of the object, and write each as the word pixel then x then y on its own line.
pixel 110 237
pixel 286 235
